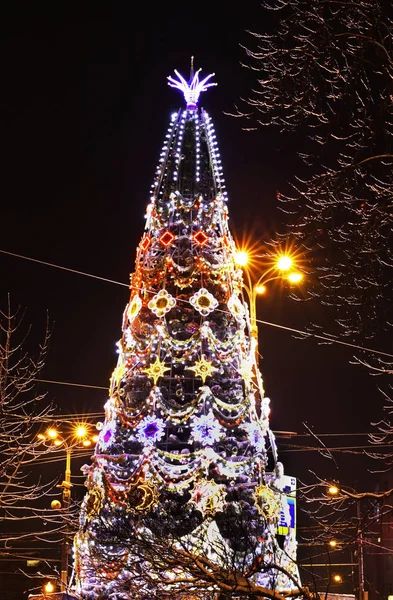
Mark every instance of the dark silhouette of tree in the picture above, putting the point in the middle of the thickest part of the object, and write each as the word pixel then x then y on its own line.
pixel 324 79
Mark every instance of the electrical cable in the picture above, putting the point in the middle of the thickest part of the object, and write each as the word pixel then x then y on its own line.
pixel 332 340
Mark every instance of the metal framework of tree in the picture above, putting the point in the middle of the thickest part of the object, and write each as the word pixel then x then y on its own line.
pixel 184 490
pixel 324 78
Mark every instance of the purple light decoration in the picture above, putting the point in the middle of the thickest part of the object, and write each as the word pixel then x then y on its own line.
pixel 150 430
pixel 107 436
pixel 193 89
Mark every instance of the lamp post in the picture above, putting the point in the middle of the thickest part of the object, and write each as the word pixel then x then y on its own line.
pixel 282 268
pixel 79 436
pixel 338 492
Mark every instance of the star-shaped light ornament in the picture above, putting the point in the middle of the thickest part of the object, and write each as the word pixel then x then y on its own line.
pixel 208 496
pixel 203 368
pixel 156 370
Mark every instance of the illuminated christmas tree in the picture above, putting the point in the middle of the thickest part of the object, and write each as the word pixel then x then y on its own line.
pixel 185 462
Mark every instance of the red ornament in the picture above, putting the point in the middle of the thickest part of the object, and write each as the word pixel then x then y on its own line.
pixel 145 243
pixel 166 238
pixel 200 238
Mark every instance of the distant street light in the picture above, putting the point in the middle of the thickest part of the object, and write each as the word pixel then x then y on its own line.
pixel 333 490
pixel 80 434
pixel 49 587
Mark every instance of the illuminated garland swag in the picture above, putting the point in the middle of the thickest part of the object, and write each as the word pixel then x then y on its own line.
pixel 181 425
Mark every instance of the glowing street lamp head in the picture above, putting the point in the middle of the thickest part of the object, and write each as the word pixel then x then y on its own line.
pixel 260 289
pixel 332 543
pixel 52 433
pixel 49 587
pixel 295 277
pixel 80 431
pixel 337 578
pixel 284 262
pixel 333 490
pixel 241 258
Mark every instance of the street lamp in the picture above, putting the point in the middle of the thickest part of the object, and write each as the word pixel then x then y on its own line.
pixel 281 268
pixel 335 490
pixel 80 435
pixel 49 588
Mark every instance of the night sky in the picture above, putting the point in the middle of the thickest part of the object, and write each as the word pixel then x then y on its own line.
pixel 85 106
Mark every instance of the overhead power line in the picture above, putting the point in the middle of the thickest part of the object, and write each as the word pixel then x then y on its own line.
pixel 83 385
pixel 325 338
pixel 48 264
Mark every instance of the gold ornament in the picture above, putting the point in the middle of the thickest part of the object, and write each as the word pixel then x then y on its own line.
pixel 143 496
pixel 208 496
pixel 118 375
pixel 203 368
pixel 203 301
pixel 267 502
pixel 134 308
pixel 93 503
pixel 156 370
pixel 162 303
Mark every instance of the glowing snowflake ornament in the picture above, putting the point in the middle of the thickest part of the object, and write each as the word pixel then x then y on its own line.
pixel 256 435
pixel 193 89
pixel 206 430
pixel 107 435
pixel 150 430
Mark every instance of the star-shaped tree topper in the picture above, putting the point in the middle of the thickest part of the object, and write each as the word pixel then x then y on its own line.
pixel 193 89
pixel 203 368
pixel 156 370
